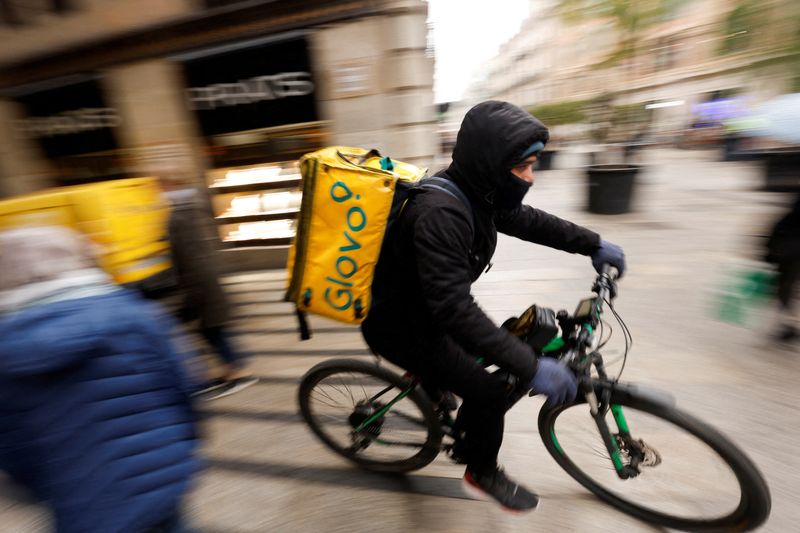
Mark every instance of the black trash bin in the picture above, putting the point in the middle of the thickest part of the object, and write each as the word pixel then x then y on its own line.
pixel 545 160
pixel 731 148
pixel 611 188
pixel 782 170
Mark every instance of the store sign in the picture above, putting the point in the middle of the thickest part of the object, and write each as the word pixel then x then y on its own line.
pixel 251 88
pixel 258 89
pixel 70 119
pixel 70 122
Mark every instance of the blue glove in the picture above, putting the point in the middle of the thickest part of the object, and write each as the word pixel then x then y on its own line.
pixel 555 381
pixel 609 253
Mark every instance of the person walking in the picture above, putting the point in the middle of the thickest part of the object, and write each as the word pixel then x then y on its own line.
pixel 96 416
pixel 195 260
pixel 783 250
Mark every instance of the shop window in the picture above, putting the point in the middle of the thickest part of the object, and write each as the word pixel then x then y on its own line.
pixel 665 55
pixel 671 9
pixel 739 24
pixel 75 128
pixel 255 187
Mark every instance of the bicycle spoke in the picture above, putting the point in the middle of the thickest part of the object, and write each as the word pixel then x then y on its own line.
pixel 333 405
pixel 672 486
pixel 347 400
pixel 348 391
pixel 324 393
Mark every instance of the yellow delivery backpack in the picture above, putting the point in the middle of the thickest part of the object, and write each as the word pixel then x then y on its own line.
pixel 348 194
pixel 126 217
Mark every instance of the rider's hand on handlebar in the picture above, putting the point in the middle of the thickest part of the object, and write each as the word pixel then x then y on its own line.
pixel 555 381
pixel 608 253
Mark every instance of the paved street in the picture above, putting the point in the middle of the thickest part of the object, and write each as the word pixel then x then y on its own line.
pixel 695 219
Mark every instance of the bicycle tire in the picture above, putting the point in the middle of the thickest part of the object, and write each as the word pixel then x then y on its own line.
pixel 754 503
pixel 326 369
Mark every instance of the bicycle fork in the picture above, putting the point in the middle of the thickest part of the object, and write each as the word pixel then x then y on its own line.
pixel 598 408
pixel 598 413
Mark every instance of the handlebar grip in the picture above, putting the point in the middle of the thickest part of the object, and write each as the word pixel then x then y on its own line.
pixel 610 271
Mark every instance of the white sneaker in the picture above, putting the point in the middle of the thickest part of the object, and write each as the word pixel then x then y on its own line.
pixel 231 387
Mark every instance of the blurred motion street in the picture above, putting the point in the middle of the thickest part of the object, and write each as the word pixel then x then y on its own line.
pixel 694 216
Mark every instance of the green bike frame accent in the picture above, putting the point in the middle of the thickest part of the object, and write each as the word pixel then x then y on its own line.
pixel 382 411
pixel 622 425
pixel 619 418
pixel 555 440
pixel 555 344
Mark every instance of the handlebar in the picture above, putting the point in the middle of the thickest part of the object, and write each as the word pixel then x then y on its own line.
pixel 610 271
pixel 582 333
pixel 605 285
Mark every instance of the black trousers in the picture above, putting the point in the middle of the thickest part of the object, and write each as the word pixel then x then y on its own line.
pixel 219 339
pixel 441 363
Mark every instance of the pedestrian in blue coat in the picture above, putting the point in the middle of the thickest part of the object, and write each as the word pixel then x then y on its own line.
pixel 95 411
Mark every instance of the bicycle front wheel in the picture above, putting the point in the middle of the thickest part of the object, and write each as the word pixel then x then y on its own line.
pixel 690 476
pixel 370 415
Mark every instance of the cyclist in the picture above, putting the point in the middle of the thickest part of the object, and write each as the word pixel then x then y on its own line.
pixel 423 317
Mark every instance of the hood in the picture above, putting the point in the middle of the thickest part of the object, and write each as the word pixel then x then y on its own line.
pixel 51 337
pixel 492 138
pixel 66 286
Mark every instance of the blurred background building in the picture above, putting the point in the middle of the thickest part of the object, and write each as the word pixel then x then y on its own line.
pixel 227 93
pixel 659 66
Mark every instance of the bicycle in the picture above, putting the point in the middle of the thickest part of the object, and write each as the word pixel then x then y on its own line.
pixel 386 422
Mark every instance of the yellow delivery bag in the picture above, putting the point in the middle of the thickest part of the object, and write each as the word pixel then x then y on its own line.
pixel 348 194
pixel 127 218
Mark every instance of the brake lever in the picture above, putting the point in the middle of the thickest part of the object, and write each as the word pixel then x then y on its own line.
pixel 612 288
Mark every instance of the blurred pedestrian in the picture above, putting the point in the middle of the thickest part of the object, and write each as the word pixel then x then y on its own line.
pixel 193 243
pixel 95 411
pixel 783 250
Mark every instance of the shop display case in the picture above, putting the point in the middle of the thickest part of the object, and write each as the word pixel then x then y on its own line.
pixel 255 193
pixel 256 205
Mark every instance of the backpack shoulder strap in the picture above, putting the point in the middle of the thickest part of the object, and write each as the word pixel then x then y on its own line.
pixel 450 187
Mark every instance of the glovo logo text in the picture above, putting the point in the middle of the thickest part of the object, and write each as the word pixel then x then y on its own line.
pixel 339 295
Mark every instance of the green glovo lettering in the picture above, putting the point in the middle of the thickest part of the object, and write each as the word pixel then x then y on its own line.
pixel 361 217
pixel 340 192
pixel 343 296
pixel 350 267
pixel 340 297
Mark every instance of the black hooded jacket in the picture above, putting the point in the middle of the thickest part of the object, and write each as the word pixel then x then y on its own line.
pixel 439 246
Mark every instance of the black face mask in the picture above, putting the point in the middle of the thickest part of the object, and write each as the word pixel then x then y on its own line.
pixel 510 195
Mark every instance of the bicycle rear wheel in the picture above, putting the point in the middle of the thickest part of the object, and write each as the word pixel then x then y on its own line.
pixel 338 397
pixel 691 478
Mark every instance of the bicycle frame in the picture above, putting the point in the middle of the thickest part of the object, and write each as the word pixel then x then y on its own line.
pixel 387 414
pixel 383 410
pixel 571 348
pixel 577 338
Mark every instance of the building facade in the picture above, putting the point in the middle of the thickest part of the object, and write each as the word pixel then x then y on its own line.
pixel 228 93
pixel 692 52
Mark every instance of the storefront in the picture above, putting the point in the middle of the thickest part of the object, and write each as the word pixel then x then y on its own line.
pixel 256 106
pixel 232 99
pixel 72 125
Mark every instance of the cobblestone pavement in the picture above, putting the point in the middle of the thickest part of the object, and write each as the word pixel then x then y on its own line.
pixel 695 220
